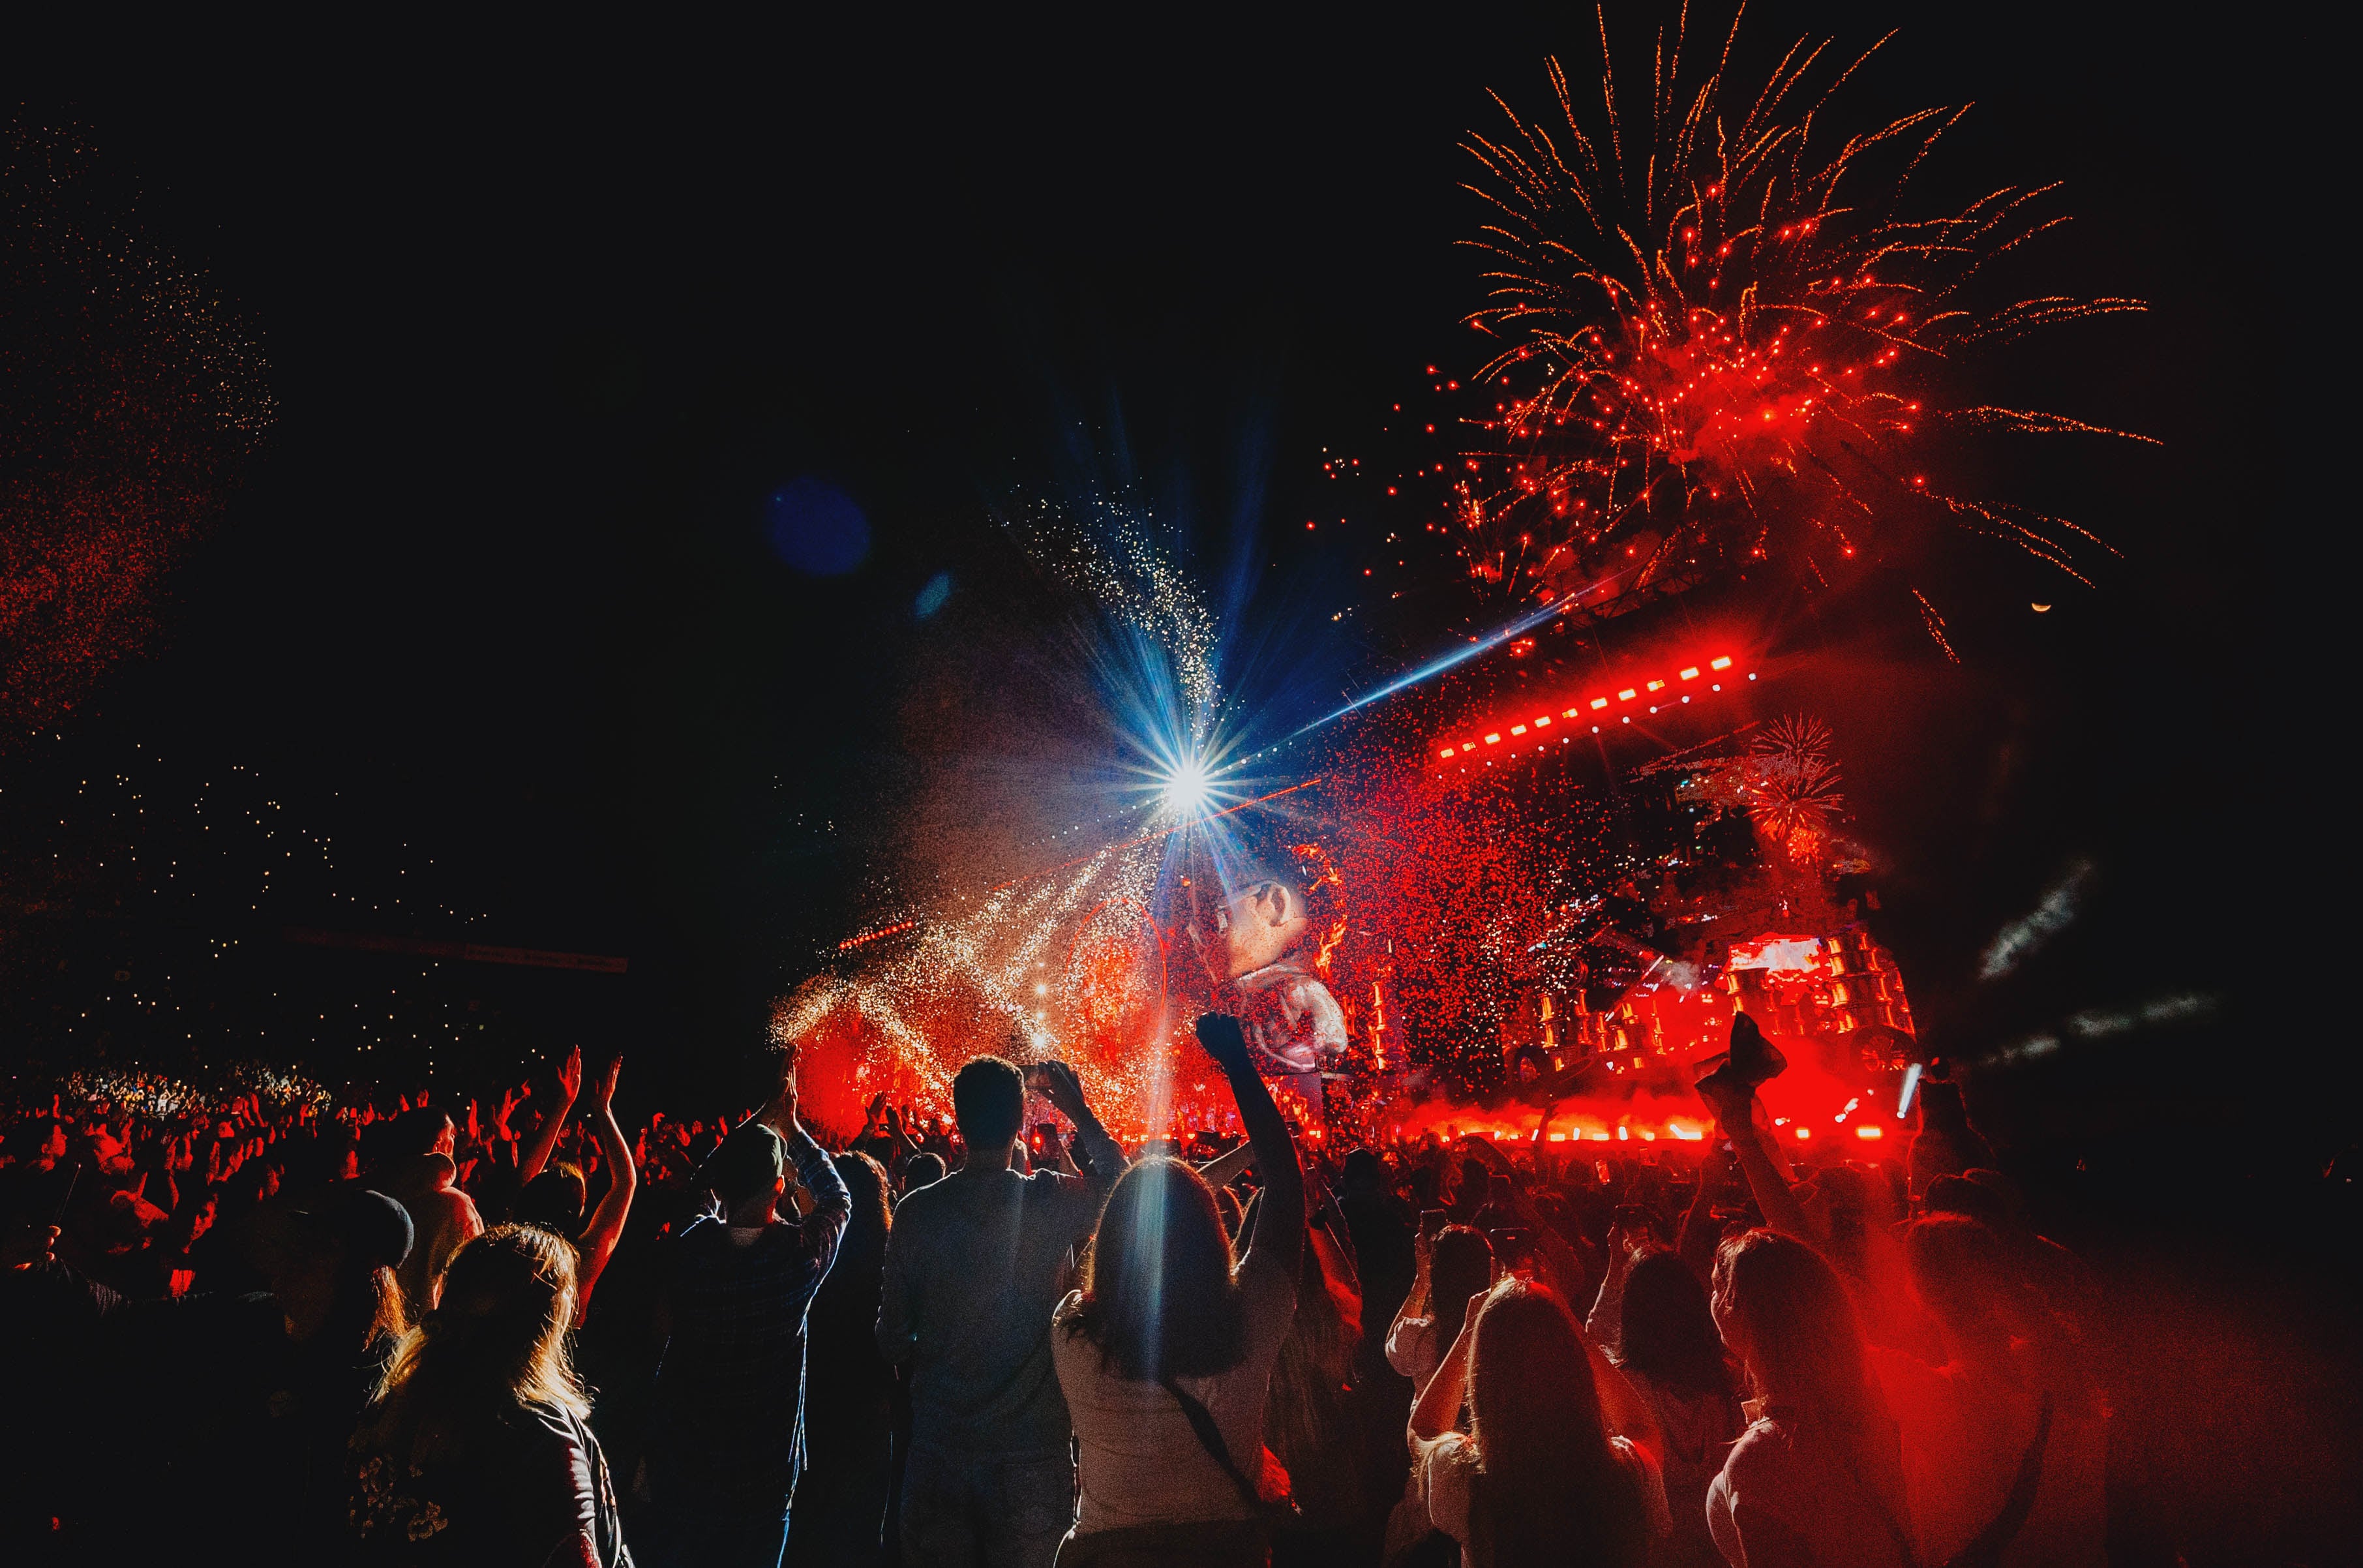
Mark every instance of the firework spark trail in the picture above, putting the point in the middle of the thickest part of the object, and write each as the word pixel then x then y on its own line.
pixel 1731 334
pixel 1163 657
pixel 1935 625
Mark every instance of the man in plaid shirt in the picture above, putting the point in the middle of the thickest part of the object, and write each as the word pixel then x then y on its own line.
pixel 728 1434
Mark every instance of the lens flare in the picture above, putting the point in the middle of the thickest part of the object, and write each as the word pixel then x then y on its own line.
pixel 1188 788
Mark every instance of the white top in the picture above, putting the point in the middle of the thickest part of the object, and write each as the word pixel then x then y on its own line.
pixel 1448 1479
pixel 1137 1460
pixel 1787 1497
pixel 1412 1352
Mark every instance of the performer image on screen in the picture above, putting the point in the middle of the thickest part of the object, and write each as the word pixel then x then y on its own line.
pixel 1254 934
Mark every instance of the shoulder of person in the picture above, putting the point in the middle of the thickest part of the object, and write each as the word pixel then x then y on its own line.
pixel 1637 1464
pixel 1260 1271
pixel 1406 1333
pixel 1766 1447
pixel 551 1428
pixel 920 1205
pixel 1451 1448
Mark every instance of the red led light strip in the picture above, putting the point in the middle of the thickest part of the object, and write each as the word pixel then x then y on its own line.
pixel 1678 683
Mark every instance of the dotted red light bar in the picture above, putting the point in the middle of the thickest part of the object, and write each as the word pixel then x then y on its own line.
pixel 1450 750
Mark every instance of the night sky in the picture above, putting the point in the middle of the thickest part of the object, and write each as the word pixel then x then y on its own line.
pixel 549 317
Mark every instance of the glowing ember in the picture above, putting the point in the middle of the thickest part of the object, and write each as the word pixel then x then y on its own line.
pixel 132 400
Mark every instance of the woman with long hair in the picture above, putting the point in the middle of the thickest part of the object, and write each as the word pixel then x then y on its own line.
pixel 1818 1475
pixel 1165 1355
pixel 1450 1267
pixel 1536 1479
pixel 477 1446
pixel 1671 1355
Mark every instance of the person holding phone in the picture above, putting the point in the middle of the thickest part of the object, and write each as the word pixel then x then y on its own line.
pixel 974 1265
pixel 1540 1474
pixel 1451 1263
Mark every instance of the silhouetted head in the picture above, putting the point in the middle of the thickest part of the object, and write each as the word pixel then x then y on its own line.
pixel 749 1163
pixel 1460 1264
pixel 924 1170
pixel 1786 1312
pixel 1668 1330
pixel 496 1338
pixel 426 1130
pixel 989 1102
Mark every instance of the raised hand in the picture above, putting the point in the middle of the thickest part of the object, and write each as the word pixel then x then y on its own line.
pixel 570 1074
pixel 605 1089
pixel 1058 1085
pixel 786 1099
pixel 1731 1102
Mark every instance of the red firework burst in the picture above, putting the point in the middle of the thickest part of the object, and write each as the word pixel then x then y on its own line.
pixel 1727 334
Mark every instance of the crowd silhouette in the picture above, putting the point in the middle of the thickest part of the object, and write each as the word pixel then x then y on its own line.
pixel 291 1331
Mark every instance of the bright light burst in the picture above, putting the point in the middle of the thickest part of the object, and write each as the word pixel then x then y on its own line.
pixel 1188 788
pixel 1727 339
pixel 1073 959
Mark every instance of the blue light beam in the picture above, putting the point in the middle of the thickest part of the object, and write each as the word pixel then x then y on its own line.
pixel 1459 656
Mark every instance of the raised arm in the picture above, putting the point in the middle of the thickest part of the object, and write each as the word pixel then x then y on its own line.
pixel 779 1112
pixel 1226 1167
pixel 1437 1413
pixel 1735 1107
pixel 1280 1230
pixel 607 1226
pixel 904 1147
pixel 1628 1415
pixel 832 1208
pixel 1099 1155
pixel 1604 1324
pixel 545 1137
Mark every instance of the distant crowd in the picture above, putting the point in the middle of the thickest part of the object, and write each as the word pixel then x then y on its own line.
pixel 508 1332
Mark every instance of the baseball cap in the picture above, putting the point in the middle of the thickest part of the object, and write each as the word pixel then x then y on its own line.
pixel 371 1225
pixel 749 1160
